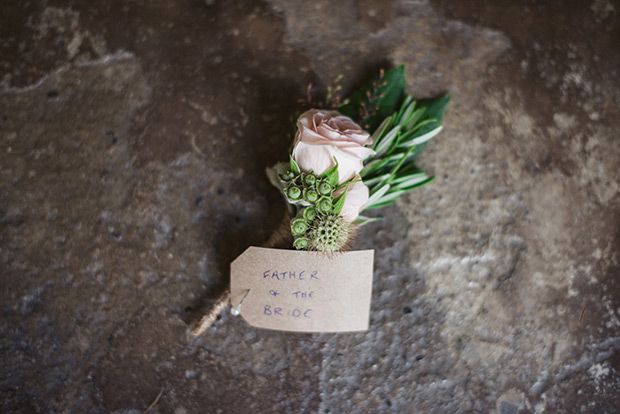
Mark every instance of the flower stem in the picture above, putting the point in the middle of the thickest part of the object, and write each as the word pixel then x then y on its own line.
pixel 207 320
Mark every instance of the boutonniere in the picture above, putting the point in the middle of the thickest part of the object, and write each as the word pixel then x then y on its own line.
pixel 348 157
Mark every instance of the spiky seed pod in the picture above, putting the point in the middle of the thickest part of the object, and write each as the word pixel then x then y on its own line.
pixel 293 192
pixel 329 233
pixel 298 227
pixel 309 213
pixel 310 195
pixel 324 205
pixel 325 188
pixel 301 243
pixel 309 179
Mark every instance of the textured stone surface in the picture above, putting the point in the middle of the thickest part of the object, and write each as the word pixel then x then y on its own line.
pixel 133 139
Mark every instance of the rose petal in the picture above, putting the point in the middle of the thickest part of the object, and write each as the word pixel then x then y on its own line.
pixel 317 158
pixel 323 135
pixel 357 196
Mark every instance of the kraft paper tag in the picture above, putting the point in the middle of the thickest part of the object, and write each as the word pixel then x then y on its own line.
pixel 301 291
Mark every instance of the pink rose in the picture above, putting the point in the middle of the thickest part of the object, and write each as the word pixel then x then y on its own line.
pixel 323 135
pixel 354 201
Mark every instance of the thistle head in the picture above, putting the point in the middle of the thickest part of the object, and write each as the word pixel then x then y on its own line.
pixel 329 233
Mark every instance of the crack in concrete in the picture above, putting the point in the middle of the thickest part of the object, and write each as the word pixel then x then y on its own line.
pixel 546 380
pixel 119 56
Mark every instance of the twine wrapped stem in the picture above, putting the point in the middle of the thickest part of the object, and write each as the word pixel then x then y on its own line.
pixel 281 238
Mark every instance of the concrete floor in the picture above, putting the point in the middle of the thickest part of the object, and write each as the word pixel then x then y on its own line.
pixel 134 137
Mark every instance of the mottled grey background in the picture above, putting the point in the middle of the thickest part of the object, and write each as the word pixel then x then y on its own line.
pixel 133 141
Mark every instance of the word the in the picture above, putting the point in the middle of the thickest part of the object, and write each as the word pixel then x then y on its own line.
pixel 290 275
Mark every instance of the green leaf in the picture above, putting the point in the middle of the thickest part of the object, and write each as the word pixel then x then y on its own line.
pixel 410 182
pixel 339 202
pixel 294 166
pixel 413 155
pixel 406 143
pixel 378 134
pixel 346 184
pixel 385 200
pixel 361 220
pixel 380 205
pixel 435 109
pixel 404 179
pixel 387 141
pixel 375 180
pixel 391 196
pixel 403 106
pixel 331 174
pixel 415 117
pixel 420 126
pixel 370 168
pixel 400 136
pixel 392 92
pixel 420 184
pixel 386 95
pixel 404 118
pixel 376 196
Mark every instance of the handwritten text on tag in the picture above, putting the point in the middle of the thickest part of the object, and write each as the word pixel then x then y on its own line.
pixel 303 291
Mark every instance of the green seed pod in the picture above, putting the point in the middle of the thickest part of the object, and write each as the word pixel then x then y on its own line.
pixel 325 188
pixel 288 176
pixel 324 205
pixel 293 192
pixel 309 179
pixel 309 213
pixel 298 227
pixel 310 195
pixel 301 243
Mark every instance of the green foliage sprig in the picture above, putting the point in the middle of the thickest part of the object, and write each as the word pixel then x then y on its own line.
pixel 400 127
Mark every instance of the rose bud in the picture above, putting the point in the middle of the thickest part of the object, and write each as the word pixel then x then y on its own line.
pixel 323 136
